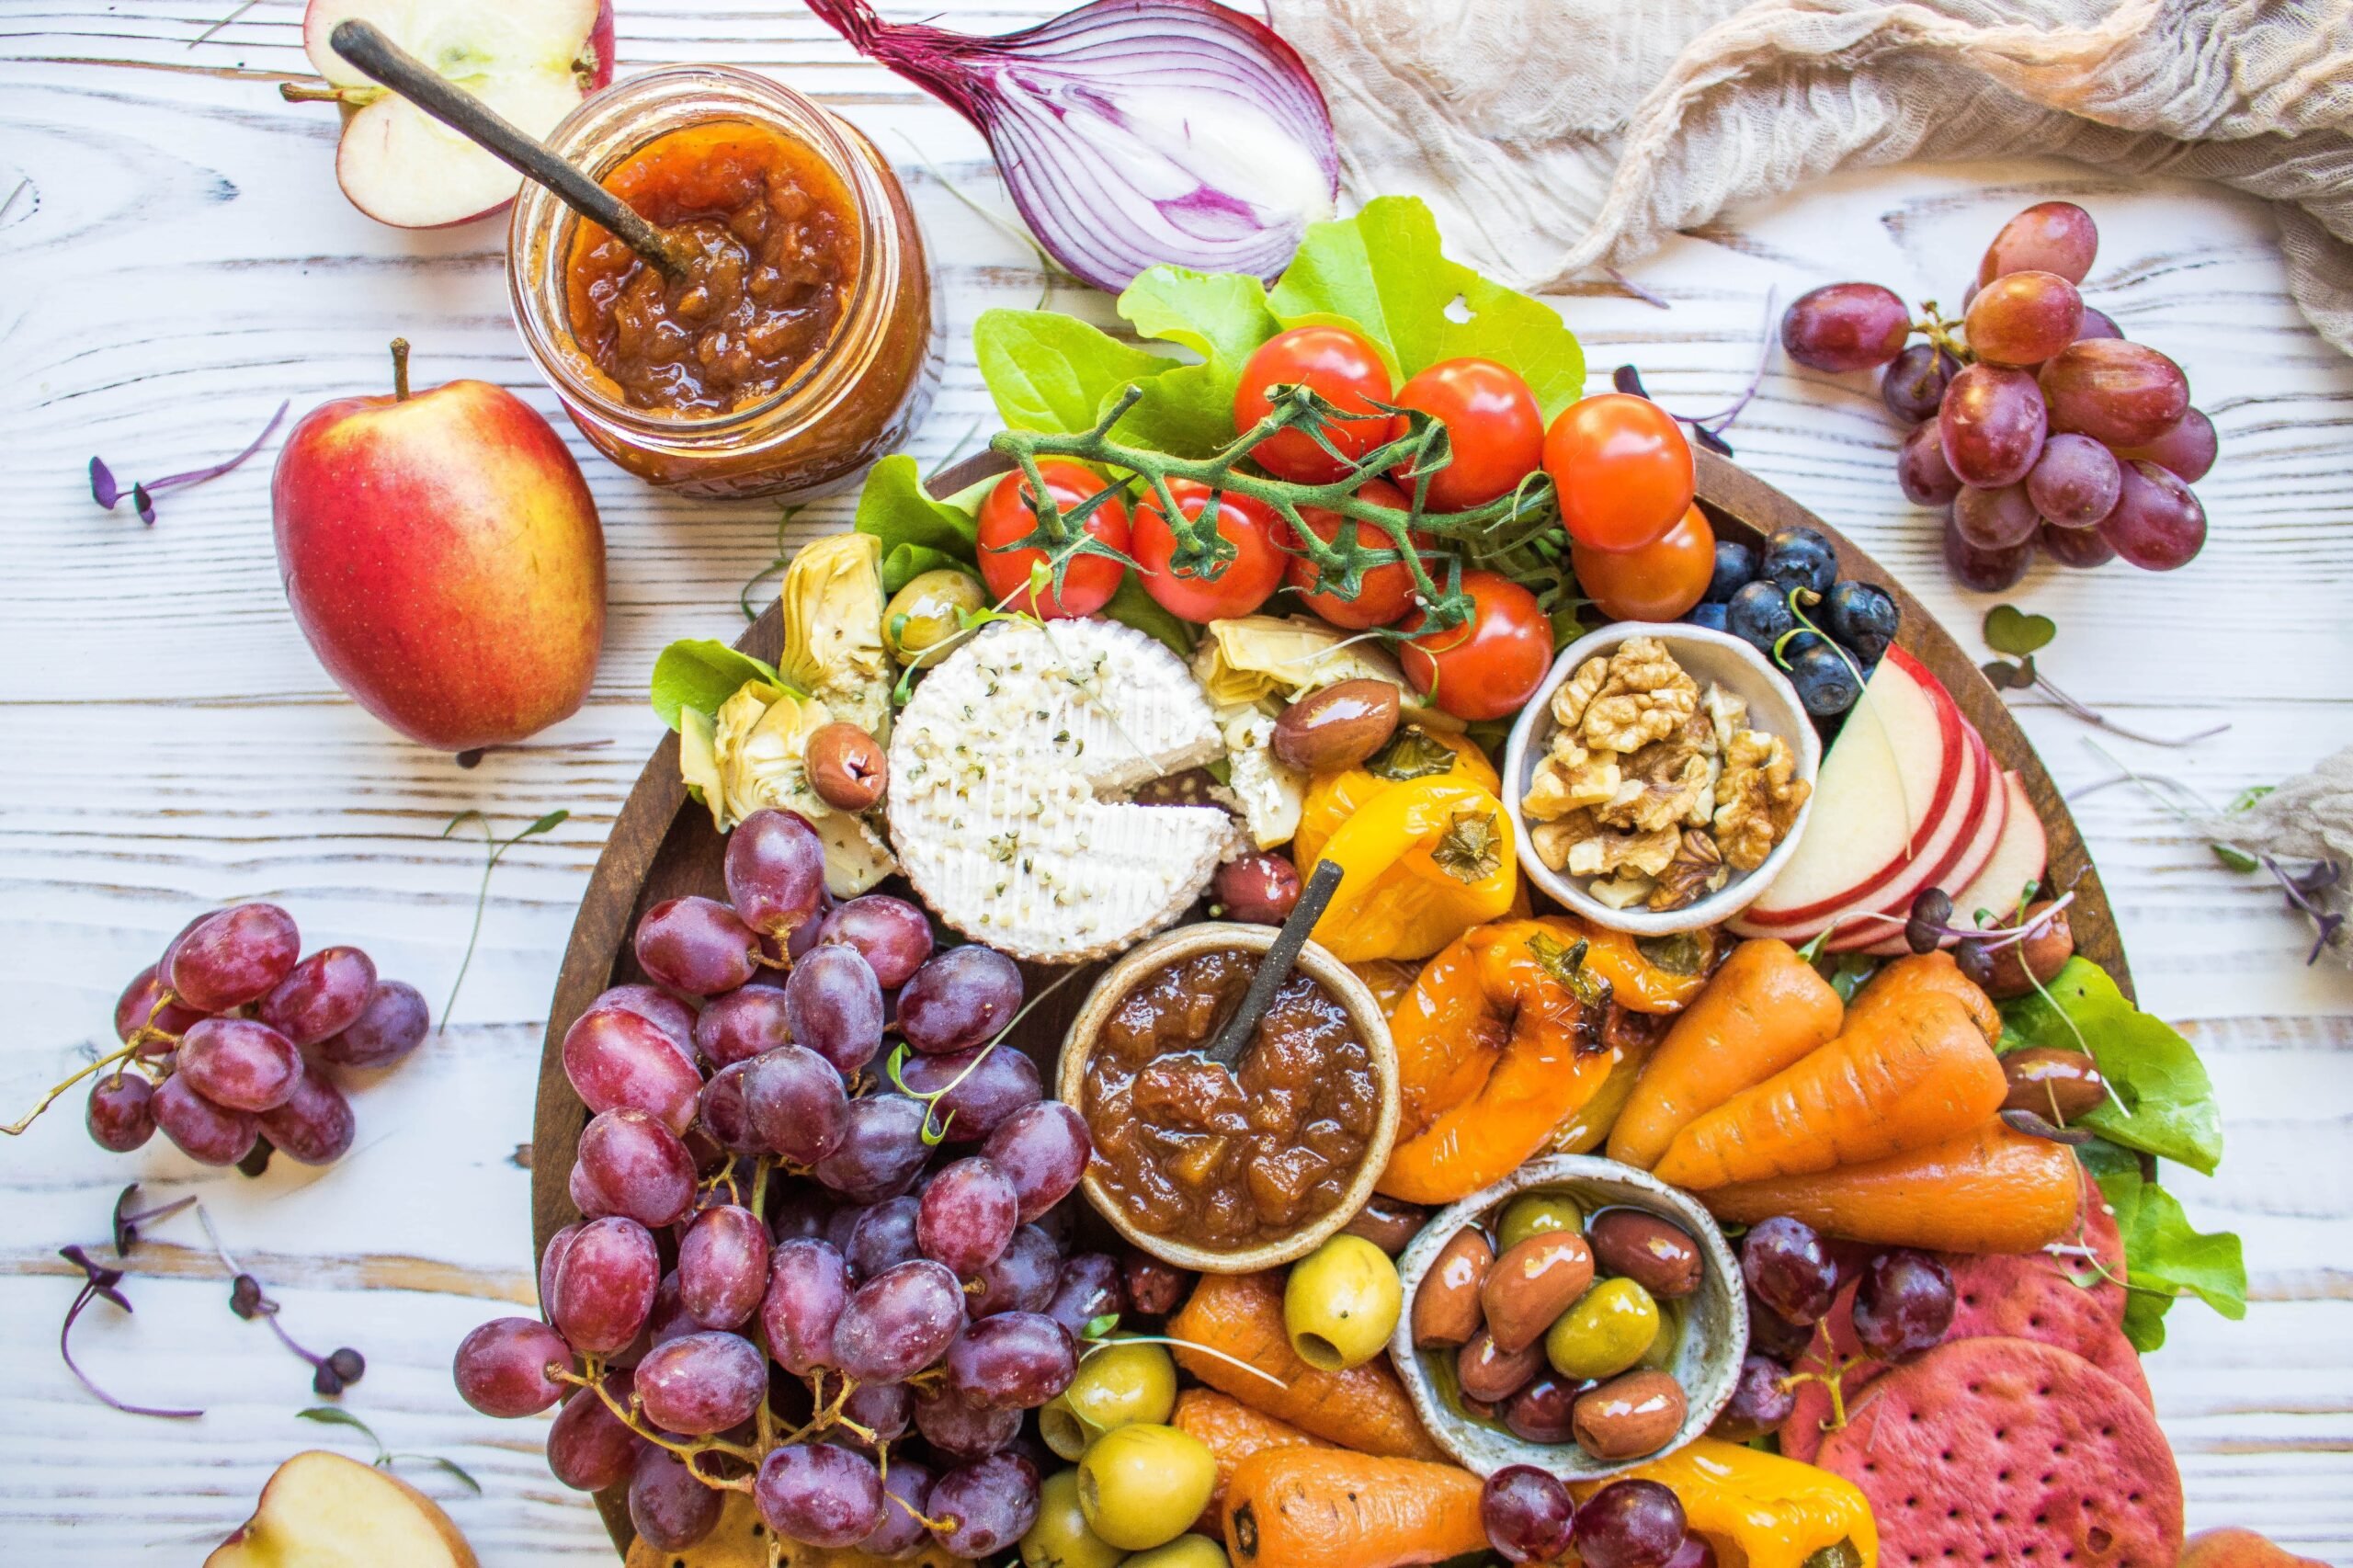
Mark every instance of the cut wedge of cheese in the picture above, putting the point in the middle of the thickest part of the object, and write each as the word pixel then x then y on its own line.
pixel 1008 772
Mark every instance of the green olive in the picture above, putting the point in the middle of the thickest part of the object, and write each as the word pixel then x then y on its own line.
pixel 1532 1214
pixel 1659 1354
pixel 1143 1485
pixel 1065 1431
pixel 1341 1304
pixel 1185 1551
pixel 1605 1332
pixel 922 617
pixel 1121 1384
pixel 1059 1538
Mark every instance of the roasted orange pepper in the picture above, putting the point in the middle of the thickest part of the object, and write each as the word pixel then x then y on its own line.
pixel 1762 1509
pixel 1423 858
pixel 1651 974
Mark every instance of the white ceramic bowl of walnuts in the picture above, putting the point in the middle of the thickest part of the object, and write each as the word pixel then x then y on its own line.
pixel 1652 800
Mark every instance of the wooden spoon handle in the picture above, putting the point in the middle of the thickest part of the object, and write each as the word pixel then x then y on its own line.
pixel 1275 968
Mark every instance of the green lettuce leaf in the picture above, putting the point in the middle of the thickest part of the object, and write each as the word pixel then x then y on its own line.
pixel 2164 1256
pixel 1050 371
pixel 917 532
pixel 1223 317
pixel 2168 1107
pixel 700 674
pixel 1135 607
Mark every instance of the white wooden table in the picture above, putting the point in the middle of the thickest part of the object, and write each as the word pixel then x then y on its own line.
pixel 178 260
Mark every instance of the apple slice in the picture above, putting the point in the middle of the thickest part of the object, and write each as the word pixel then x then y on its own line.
pixel 322 1510
pixel 1966 866
pixel 2017 860
pixel 531 61
pixel 1936 866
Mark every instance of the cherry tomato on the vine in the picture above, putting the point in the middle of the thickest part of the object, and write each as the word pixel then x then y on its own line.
pixel 1492 425
pixel 1622 469
pixel 1485 667
pixel 1006 517
pixel 1385 593
pixel 1234 587
pixel 1343 367
pixel 1658 582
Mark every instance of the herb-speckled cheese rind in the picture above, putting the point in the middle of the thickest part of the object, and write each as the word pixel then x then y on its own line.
pixel 1000 768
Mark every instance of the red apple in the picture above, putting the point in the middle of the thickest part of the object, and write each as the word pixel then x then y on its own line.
pixel 442 555
pixel 532 61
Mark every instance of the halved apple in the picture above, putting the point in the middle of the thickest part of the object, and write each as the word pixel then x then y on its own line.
pixel 532 61
pixel 322 1510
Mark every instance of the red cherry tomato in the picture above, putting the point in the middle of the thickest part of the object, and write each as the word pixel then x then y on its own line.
pixel 1337 363
pixel 1487 667
pixel 1491 422
pixel 1658 582
pixel 1623 468
pixel 1235 587
pixel 1006 517
pixel 1385 593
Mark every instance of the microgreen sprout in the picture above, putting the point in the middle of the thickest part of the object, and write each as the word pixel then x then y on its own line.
pixel 934 1136
pixel 1708 429
pixel 108 490
pixel 2010 631
pixel 328 1415
pixel 329 1373
pixel 497 849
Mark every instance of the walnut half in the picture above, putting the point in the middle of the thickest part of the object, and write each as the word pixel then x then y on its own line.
pixel 1696 869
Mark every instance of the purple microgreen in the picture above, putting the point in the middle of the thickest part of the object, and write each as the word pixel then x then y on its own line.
pixel 498 850
pixel 2035 1126
pixel 108 491
pixel 127 1221
pixel 1637 290
pixel 1627 380
pixel 1708 429
pixel 2009 630
pixel 90 1291
pixel 103 488
pixel 143 504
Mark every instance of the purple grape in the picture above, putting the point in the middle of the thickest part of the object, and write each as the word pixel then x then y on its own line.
pixel 1022 1278
pixel 1629 1524
pixel 1992 424
pixel 893 936
pixel 961 1429
pixel 605 1285
pixel 1018 1360
pixel 1544 1410
pixel 987 1089
pixel 1787 1265
pixel 993 1501
pixel 1985 571
pixel 887 1410
pixel 205 1132
pixel 616 1058
pixel 1774 1336
pixel 819 1494
pixel 696 945
pixel 2050 236
pixel 589 1447
pixel 668 1506
pixel 2023 318
pixel 655 1006
pixel 669 1319
pixel 741 1025
pixel 842 1223
pixel 1845 327
pixel 2187 448
pixel 1043 1149
pixel 723 1266
pixel 1995 519
pixel 121 1115
pixel 1527 1513
pixel 898 1322
pixel 391 1025
pixel 233 957
pixel 808 1286
pixel 966 1215
pixel 2079 548
pixel 834 1006
pixel 502 1367
pixel 796 1105
pixel 551 1259
pixel 908 1494
pixel 2157 524
pixel 723 1111
pixel 796 1209
pixel 959 999
pixel 1088 1289
pixel 322 995
pixel 1758 1404
pixel 2075 482
pixel 1921 469
pixel 2120 393
pixel 629 1164
pixel 881 1150
pixel 1913 385
pixel 2097 323
pixel 316 1125
pixel 239 1063
pixel 146 1003
pixel 701 1383
pixel 804 937
pixel 883 1237
pixel 1904 1303
pixel 775 871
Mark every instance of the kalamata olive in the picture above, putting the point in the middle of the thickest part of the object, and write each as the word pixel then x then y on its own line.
pixel 1445 1305
pixel 1259 889
pixel 1532 1284
pixel 1630 1416
pixel 1655 1254
pixel 846 766
pixel 2046 1079
pixel 1492 1374
pixel 1545 1411
pixel 1337 726
pixel 2041 954
pixel 1153 1287
pixel 1389 1223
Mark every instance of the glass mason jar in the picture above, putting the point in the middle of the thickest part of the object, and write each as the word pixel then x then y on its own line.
pixel 856 398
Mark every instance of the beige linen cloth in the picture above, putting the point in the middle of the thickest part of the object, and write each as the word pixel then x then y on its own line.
pixel 1555 136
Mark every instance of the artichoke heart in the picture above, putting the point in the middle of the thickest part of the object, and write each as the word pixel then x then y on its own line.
pixel 1265 661
pixel 752 754
pixel 833 648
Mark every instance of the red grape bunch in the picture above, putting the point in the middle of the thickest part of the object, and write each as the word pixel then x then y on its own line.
pixel 2038 421
pixel 226 1040
pixel 805 1269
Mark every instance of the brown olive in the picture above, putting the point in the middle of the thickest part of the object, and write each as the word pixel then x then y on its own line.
pixel 1445 1305
pixel 1545 1411
pixel 2056 1084
pixel 1490 1374
pixel 2041 955
pixel 1387 1222
pixel 1153 1287
pixel 1655 1254
pixel 846 766
pixel 1532 1284
pixel 1260 889
pixel 1337 726
pixel 1630 1416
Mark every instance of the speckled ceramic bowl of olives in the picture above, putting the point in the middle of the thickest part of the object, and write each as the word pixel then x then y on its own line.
pixel 1712 1318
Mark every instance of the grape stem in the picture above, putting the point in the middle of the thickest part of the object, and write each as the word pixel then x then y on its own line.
pixel 16 1129
pixel 1937 328
pixel 592 1378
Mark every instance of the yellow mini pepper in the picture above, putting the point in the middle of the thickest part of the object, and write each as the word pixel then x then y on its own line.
pixel 1761 1510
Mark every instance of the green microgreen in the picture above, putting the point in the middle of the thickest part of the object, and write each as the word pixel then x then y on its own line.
pixel 933 1136
pixel 496 849
pixel 2011 630
pixel 328 1415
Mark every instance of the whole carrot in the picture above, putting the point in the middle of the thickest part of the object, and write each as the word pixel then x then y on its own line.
pixel 1329 1508
pixel 1233 1432
pixel 1921 972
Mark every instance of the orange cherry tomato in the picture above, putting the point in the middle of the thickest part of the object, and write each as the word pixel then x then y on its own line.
pixel 1487 667
pixel 1342 365
pixel 1235 587
pixel 1492 425
pixel 1623 468
pixel 1385 592
pixel 1658 582
pixel 1006 516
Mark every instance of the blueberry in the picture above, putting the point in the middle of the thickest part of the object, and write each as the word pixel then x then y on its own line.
pixel 1736 569
pixel 1799 642
pixel 1861 615
pixel 1758 615
pixel 1801 558
pixel 1710 616
pixel 1825 683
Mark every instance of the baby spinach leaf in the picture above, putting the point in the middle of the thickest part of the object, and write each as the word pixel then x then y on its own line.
pixel 700 674
pixel 2168 1109
pixel 1049 371
pixel 2164 1256
pixel 1221 316
pixel 917 532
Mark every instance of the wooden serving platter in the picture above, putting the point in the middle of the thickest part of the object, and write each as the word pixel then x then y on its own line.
pixel 663 845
